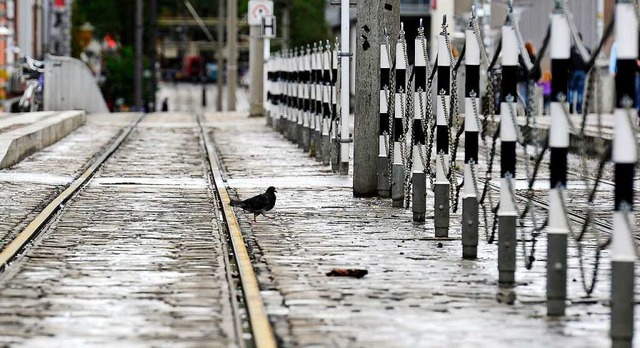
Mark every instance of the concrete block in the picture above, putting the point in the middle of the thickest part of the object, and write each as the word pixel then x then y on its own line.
pixel 17 144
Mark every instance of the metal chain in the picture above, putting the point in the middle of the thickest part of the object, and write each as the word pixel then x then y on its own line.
pixel 390 109
pixel 425 126
pixel 478 35
pixel 574 31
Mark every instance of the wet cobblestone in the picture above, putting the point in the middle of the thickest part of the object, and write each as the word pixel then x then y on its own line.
pixel 416 293
pixel 133 260
pixel 30 185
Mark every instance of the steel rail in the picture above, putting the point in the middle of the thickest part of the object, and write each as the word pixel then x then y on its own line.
pixel 18 243
pixel 261 329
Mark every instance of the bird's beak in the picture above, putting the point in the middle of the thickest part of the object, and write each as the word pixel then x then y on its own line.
pixel 275 190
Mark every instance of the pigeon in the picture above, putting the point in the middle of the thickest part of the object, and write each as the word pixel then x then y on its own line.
pixel 258 205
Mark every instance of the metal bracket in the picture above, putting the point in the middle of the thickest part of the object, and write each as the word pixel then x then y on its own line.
pixel 352 3
pixel 346 141
pixel 345 54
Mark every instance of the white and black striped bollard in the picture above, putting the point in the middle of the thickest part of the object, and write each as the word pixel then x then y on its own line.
pixel 624 157
pixel 326 103
pixel 471 129
pixel 318 100
pixel 419 177
pixel 397 172
pixel 442 184
pixel 299 97
pixel 507 213
pixel 306 96
pixel 559 144
pixel 386 92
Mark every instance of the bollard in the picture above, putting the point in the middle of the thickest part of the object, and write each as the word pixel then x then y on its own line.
pixel 442 186
pixel 299 97
pixel 471 129
pixel 385 130
pixel 306 122
pixel 335 142
pixel 419 177
pixel 292 96
pixel 624 157
pixel 285 93
pixel 326 103
pixel 280 92
pixel 397 173
pixel 559 144
pixel 268 87
pixel 318 101
pixel 313 120
pixel 345 137
pixel 507 213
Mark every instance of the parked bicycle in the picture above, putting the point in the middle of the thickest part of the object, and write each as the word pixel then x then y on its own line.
pixel 33 76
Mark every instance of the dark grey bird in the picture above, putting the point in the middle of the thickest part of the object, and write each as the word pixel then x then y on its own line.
pixel 258 205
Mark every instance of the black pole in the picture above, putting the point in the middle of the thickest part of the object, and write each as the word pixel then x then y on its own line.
pixel 153 54
pixel 138 56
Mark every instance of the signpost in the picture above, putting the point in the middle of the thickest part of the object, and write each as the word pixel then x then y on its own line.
pixel 258 9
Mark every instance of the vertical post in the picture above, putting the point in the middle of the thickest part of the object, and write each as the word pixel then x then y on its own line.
pixel 279 118
pixel 624 157
pixel 286 10
pixel 153 86
pixel 419 177
pixel 559 144
pixel 138 53
pixel 268 89
pixel 471 128
pixel 266 57
pixel 232 60
pixel 508 137
pixel 442 185
pixel 344 88
pixel 313 120
pixel 256 62
pixel 220 54
pixel 335 142
pixel 326 96
pixel 289 94
pixel 319 96
pixel 299 97
pixel 306 134
pixel 397 173
pixel 385 128
pixel 373 16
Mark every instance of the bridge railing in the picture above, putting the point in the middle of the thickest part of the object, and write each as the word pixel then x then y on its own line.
pixel 70 85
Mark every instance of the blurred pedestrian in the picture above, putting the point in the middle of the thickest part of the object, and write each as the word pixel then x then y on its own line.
pixel 545 83
pixel 577 75
pixel 165 104
pixel 524 76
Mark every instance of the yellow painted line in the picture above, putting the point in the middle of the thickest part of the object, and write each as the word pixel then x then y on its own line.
pixel 261 328
pixel 14 247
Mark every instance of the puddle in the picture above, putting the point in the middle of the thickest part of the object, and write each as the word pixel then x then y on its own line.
pixel 36 178
pixel 156 182
pixel 292 182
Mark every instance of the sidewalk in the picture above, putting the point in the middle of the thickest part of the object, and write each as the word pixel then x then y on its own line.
pixel 418 292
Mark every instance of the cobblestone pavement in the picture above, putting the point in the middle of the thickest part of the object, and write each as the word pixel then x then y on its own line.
pixel 418 292
pixel 133 260
pixel 30 185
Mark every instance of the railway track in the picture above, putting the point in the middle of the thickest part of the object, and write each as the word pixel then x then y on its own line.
pixel 160 248
pixel 602 224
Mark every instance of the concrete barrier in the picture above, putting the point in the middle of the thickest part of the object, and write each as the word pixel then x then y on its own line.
pixel 70 85
pixel 22 142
